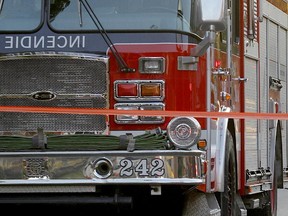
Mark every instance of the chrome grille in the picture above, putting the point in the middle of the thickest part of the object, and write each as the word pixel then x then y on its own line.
pixel 76 81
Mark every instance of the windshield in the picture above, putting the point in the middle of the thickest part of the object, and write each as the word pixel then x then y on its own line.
pixel 20 15
pixel 122 15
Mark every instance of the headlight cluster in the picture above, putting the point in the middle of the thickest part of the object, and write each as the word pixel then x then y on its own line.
pixel 139 95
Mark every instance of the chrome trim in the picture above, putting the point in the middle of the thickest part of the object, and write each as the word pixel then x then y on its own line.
pixel 43 95
pixel 188 127
pixel 70 55
pixel 258 187
pixel 139 119
pixel 143 59
pixel 103 168
pixel 68 168
pixel 59 96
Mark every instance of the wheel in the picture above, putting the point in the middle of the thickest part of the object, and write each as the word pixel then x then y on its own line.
pixel 227 199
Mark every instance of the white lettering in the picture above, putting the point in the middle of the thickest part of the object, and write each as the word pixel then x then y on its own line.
pixel 64 39
pixel 50 42
pixel 41 41
pixel 83 41
pixel 17 42
pixel 44 42
pixel 26 39
pixel 76 40
pixel 8 42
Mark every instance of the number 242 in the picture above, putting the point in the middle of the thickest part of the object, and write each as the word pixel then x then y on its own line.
pixel 141 168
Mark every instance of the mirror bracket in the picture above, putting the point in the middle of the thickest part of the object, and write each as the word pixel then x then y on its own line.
pixel 191 62
pixel 209 39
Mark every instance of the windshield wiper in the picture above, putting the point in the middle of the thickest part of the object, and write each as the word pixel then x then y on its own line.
pixel 123 66
pixel 80 14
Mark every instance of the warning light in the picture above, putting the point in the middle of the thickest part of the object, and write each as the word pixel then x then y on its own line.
pixel 217 64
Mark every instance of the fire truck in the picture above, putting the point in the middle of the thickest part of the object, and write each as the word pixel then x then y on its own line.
pixel 144 106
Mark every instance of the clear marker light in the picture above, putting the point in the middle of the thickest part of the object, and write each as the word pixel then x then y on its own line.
pixel 151 65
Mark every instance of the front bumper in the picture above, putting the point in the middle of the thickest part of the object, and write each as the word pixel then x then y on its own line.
pixel 23 172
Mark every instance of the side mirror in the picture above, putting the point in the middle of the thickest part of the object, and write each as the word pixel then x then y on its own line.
pixel 210 12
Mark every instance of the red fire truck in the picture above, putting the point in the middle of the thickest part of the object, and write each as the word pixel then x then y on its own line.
pixel 131 105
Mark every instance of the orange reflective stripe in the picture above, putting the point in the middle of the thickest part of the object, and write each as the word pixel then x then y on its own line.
pixel 92 111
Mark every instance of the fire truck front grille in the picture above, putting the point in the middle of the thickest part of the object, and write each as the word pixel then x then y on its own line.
pixel 63 81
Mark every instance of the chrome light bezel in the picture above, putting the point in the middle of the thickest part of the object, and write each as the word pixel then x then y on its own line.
pixel 139 96
pixel 130 119
pixel 184 132
pixel 156 70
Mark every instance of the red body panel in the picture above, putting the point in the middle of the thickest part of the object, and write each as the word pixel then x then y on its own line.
pixel 184 90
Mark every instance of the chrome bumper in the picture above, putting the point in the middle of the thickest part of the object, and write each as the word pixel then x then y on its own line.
pixel 82 171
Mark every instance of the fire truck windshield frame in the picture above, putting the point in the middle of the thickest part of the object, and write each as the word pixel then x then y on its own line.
pixel 121 15
pixel 20 15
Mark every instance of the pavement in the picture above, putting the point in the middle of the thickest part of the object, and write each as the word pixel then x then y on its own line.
pixel 282 209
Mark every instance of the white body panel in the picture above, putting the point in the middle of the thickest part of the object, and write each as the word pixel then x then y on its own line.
pixel 271 61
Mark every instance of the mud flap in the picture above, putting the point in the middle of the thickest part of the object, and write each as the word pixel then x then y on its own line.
pixel 198 203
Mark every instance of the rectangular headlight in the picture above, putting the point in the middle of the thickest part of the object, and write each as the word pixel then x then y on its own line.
pixel 151 65
pixel 152 118
pixel 127 117
pixel 135 119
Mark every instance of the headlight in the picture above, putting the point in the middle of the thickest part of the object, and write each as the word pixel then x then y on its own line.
pixel 135 119
pixel 184 132
pixel 152 65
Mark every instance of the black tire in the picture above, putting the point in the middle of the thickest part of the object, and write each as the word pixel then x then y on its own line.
pixel 227 199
